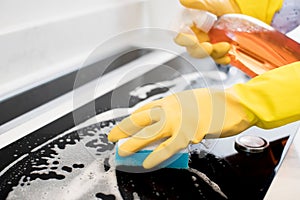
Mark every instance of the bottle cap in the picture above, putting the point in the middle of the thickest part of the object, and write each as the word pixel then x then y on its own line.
pixel 205 20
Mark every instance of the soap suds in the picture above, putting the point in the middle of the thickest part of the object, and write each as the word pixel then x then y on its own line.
pixel 79 164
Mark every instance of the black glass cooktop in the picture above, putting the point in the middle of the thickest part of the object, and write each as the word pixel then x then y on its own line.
pixel 51 163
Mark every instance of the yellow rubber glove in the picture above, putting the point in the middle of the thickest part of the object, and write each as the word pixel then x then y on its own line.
pixel 217 7
pixel 268 101
pixel 198 46
pixel 260 9
pixel 183 118
pixel 273 97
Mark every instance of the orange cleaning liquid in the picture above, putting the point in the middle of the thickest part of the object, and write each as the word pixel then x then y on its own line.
pixel 255 49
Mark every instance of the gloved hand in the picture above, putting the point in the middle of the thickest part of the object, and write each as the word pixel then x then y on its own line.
pixel 260 9
pixel 268 101
pixel 183 118
pixel 197 44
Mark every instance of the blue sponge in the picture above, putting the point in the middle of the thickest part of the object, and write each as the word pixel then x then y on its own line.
pixel 177 161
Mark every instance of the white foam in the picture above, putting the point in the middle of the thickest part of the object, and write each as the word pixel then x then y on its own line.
pixel 80 183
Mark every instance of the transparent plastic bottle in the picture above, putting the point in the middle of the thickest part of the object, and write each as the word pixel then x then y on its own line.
pixel 256 46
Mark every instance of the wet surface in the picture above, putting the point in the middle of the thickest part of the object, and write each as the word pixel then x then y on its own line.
pixel 165 184
pixel 69 167
pixel 51 163
pixel 60 166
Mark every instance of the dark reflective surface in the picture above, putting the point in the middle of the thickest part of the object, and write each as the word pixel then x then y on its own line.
pixel 52 164
pixel 239 176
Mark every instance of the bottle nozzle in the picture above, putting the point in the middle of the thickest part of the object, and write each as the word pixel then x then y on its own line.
pixel 205 20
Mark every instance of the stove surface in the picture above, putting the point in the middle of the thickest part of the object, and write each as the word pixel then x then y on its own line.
pixel 56 163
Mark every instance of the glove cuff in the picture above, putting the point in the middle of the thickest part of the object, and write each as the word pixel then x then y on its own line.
pixel 225 114
pixel 273 97
pixel 263 10
pixel 216 7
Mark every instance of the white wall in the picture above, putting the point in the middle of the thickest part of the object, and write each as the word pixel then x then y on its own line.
pixel 162 13
pixel 42 39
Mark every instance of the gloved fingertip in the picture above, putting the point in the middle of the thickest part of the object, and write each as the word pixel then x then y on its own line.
pixel 116 134
pixel 223 61
pixel 154 159
pixel 220 49
pixel 185 40
pixel 124 152
pixel 112 136
pixel 200 35
pixel 208 47
pixel 149 163
pixel 202 50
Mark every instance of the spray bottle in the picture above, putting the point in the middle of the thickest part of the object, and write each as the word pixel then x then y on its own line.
pixel 256 47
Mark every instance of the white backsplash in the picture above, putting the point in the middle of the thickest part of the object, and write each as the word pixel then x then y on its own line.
pixel 41 40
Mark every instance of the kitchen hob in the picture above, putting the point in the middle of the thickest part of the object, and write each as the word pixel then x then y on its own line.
pixel 60 161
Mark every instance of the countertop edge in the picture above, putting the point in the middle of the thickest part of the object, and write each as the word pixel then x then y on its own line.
pixel 285 184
